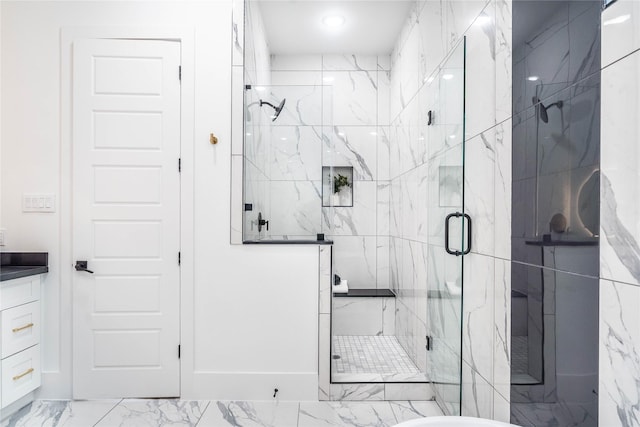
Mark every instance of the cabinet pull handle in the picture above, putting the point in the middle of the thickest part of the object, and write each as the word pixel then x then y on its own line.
pixel 27 326
pixel 27 372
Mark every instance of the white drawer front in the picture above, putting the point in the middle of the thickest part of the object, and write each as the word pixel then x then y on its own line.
pixel 19 291
pixel 20 328
pixel 20 374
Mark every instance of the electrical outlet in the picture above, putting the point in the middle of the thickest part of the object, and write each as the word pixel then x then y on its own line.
pixel 3 237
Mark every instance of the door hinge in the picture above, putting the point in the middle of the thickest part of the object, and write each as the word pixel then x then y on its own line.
pixel 179 258
pixel 429 345
pixel 180 165
pixel 180 72
pixel 178 351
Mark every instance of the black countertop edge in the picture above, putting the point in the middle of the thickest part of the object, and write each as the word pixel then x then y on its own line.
pixel 375 293
pixel 562 243
pixel 287 242
pixel 13 272
pixel 21 259
pixel 14 265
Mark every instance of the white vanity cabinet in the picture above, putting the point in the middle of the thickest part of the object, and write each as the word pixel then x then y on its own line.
pixel 20 321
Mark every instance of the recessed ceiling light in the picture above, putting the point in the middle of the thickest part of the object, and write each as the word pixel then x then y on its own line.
pixel 260 88
pixel 373 133
pixel 452 136
pixel 248 133
pixel 533 78
pixel 619 20
pixel 283 139
pixel 328 79
pixel 447 76
pixel 333 21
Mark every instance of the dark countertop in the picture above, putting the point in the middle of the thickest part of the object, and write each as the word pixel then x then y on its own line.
pixel 287 242
pixel 376 293
pixel 14 265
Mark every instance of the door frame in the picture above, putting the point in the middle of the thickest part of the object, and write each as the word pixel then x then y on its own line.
pixel 62 380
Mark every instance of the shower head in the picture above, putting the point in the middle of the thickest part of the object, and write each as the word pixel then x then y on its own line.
pixel 278 109
pixel 542 110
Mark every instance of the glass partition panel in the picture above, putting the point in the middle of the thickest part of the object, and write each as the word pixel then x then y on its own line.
pixel 447 225
pixel 284 156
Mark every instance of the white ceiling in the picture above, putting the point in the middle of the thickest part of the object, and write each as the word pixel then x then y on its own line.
pixel 294 27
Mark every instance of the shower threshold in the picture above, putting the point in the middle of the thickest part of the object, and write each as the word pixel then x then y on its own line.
pixel 372 359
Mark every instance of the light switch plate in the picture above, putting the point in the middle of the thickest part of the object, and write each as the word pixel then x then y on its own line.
pixel 38 202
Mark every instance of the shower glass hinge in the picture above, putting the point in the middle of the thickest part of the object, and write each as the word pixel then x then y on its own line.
pixel 179 258
pixel 180 165
pixel 180 72
pixel 429 345
pixel 178 351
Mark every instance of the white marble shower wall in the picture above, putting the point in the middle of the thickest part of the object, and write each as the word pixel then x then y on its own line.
pixel 432 31
pixel 619 212
pixel 353 132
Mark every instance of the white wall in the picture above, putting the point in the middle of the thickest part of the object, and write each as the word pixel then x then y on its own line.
pixel 249 316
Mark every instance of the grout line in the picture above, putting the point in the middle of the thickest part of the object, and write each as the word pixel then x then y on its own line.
pixel 203 412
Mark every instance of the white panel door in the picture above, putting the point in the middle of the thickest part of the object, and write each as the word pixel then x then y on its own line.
pixel 126 218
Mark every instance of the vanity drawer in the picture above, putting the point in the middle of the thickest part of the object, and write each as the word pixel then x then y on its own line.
pixel 20 328
pixel 20 374
pixel 19 291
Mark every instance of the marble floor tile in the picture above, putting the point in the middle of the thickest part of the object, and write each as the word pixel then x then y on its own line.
pixel 61 413
pixel 155 413
pixel 250 414
pixel 405 411
pixel 352 414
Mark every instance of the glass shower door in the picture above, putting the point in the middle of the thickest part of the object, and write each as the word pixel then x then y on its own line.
pixel 449 229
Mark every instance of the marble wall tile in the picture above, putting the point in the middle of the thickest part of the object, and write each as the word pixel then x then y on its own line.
pixel 354 146
pixel 354 259
pixel 502 180
pixel 296 78
pixel 383 208
pixel 504 60
pixel 388 316
pixel 384 93
pixel 295 153
pixel 383 144
pixel 296 63
pixel 620 35
pixel 460 15
pixel 479 188
pixel 619 209
pixel 297 210
pixel 432 43
pixel 303 105
pixel 502 332
pixel 501 408
pixel 383 258
pixel 480 62
pixel 584 40
pixel 477 394
pixel 357 316
pixel 349 63
pixel 354 97
pixel 619 356
pixel 360 219
pixel 384 62
pixel 478 311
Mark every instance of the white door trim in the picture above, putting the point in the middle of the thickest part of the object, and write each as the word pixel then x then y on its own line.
pixel 59 383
